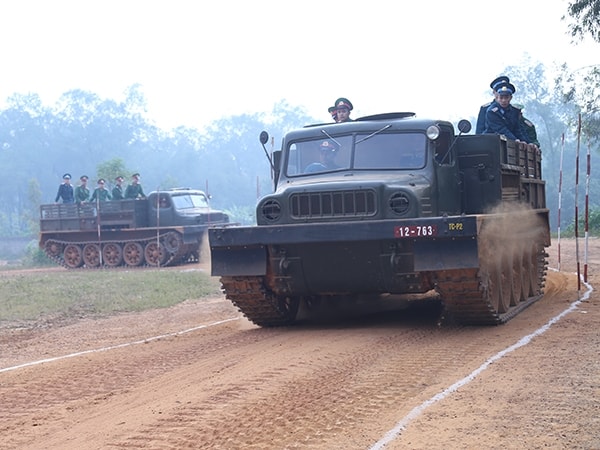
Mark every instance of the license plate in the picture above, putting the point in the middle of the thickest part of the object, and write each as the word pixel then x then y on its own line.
pixel 410 231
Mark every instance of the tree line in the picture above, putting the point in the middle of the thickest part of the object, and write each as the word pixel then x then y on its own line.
pixel 83 133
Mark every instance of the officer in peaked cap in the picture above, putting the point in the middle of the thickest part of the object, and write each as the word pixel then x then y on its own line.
pixel 117 190
pixel 82 193
pixel 500 79
pixel 65 190
pixel 327 152
pixel 101 194
pixel 333 113
pixel 483 108
pixel 503 118
pixel 505 88
pixel 343 106
pixel 328 146
pixel 134 190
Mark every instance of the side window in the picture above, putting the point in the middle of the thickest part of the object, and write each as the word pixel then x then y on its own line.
pixel 292 162
pixel 164 201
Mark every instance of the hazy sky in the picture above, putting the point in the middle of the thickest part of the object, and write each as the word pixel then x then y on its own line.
pixel 200 60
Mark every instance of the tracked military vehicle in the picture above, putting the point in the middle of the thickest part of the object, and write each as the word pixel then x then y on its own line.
pixel 400 205
pixel 166 228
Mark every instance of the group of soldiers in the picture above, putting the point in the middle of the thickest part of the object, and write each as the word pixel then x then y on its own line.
pixel 81 193
pixel 496 117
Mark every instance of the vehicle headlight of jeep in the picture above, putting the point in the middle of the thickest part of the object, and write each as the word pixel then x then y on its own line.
pixel 270 210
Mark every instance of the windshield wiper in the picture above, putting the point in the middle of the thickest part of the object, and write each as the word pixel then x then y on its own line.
pixel 373 134
pixel 332 138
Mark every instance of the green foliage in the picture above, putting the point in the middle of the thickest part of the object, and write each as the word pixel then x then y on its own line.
pixel 593 225
pixel 111 169
pixel 244 215
pixel 586 18
pixel 73 294
pixel 35 256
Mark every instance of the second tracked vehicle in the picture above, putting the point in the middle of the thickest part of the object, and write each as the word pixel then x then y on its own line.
pixel 167 228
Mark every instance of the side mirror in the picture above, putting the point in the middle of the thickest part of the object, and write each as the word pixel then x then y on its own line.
pixel 464 126
pixel 264 137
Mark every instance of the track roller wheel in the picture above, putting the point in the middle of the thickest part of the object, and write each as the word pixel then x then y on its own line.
pixel 53 249
pixel 91 255
pixel 112 254
pixel 73 256
pixel 532 267
pixel 133 254
pixel 288 308
pixel 517 273
pixel 506 286
pixel 491 278
pixel 155 253
pixel 172 242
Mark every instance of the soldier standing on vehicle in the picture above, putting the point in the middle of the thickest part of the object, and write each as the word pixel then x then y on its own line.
pixel 65 190
pixel 528 126
pixel 82 193
pixel 134 190
pixel 333 113
pixel 101 193
pixel 481 117
pixel 117 191
pixel 503 118
pixel 342 106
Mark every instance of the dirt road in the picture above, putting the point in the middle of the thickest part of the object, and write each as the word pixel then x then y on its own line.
pixel 200 376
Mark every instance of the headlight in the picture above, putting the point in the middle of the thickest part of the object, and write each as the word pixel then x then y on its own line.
pixel 433 132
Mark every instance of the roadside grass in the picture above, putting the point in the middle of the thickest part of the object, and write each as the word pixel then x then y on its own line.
pixel 33 296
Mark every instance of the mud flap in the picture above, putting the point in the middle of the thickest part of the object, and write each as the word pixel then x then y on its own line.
pixel 240 261
pixel 445 255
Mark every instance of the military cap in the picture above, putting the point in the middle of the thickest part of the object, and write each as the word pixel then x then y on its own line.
pixel 333 112
pixel 119 178
pixel 343 103
pixel 328 146
pixel 135 175
pixel 505 89
pixel 100 180
pixel 501 79
pixel 83 177
pixel 67 176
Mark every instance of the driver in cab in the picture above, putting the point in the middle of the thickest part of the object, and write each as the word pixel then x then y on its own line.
pixel 327 152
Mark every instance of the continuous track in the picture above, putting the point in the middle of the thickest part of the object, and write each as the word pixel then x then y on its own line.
pixel 167 249
pixel 490 295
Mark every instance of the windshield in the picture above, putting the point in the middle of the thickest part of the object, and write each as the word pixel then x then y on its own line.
pixel 190 201
pixel 360 152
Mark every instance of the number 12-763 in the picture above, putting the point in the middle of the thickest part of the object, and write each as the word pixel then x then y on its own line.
pixel 415 231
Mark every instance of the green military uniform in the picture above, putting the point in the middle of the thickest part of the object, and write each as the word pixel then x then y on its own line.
pixel 101 194
pixel 527 126
pixel 117 193
pixel 134 191
pixel 530 129
pixel 82 193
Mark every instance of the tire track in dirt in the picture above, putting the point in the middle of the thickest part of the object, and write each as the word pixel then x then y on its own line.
pixel 320 386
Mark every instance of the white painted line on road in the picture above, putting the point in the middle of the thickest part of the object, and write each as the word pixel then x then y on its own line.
pixel 415 412
pixel 113 347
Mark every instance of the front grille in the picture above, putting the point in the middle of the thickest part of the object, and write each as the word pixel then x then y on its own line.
pixel 350 203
